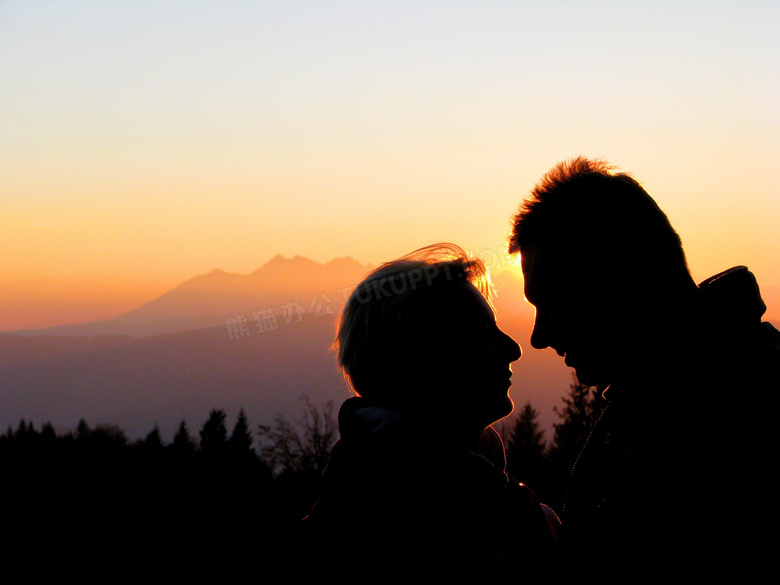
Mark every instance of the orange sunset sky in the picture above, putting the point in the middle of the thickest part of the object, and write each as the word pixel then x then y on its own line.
pixel 143 143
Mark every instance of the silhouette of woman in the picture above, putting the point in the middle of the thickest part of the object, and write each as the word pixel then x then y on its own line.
pixel 417 485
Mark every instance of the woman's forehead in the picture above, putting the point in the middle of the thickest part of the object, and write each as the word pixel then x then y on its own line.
pixel 462 300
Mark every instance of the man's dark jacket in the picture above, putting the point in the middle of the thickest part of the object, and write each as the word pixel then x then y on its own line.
pixel 677 477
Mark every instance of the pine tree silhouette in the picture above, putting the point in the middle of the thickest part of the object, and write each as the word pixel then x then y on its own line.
pixel 526 451
pixel 240 441
pixel 582 406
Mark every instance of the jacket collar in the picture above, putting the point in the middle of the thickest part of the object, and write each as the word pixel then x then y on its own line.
pixel 733 297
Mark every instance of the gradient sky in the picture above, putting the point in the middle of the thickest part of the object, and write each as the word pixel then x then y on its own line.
pixel 143 143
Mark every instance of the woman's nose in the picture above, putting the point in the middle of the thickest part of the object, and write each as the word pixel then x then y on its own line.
pixel 512 348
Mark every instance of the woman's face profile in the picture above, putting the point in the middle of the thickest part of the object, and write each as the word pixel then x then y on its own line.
pixel 464 358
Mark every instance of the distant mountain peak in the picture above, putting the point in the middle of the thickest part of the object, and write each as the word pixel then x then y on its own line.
pixel 280 263
pixel 343 261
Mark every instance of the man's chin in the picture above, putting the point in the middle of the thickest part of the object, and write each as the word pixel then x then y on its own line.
pixel 589 377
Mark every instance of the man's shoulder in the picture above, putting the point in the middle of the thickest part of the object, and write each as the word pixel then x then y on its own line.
pixel 733 295
pixel 769 341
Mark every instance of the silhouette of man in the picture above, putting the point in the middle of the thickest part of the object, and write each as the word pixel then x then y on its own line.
pixel 673 478
pixel 416 485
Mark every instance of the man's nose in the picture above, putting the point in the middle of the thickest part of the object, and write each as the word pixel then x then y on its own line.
pixel 542 331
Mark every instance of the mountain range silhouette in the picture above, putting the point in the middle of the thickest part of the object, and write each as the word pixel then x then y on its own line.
pixel 209 299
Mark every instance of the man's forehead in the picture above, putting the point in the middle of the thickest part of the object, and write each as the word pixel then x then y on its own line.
pixel 541 264
pixel 538 275
pixel 553 272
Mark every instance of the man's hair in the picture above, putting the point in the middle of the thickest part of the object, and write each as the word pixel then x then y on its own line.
pixel 583 204
pixel 383 316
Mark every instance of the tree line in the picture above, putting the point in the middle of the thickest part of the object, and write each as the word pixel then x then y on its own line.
pixel 224 492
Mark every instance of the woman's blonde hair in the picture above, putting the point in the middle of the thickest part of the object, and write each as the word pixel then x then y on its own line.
pixel 380 318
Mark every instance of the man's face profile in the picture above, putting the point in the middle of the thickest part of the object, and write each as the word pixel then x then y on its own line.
pixel 580 312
